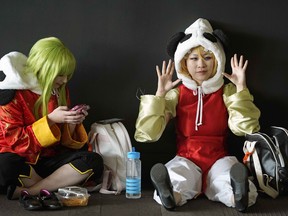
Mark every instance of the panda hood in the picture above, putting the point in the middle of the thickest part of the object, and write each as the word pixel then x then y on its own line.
pixel 199 33
pixel 12 73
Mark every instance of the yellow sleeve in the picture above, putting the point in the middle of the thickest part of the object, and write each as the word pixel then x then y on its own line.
pixel 77 140
pixel 46 135
pixel 243 113
pixel 154 113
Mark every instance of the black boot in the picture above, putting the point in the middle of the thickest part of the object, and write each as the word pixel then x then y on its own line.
pixel 162 183
pixel 240 186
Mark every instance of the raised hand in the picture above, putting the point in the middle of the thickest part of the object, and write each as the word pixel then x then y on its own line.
pixel 165 82
pixel 238 76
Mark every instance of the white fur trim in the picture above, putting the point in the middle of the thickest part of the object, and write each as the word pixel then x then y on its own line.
pixel 197 29
pixel 12 64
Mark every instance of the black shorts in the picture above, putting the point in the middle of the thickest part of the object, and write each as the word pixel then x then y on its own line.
pixel 13 166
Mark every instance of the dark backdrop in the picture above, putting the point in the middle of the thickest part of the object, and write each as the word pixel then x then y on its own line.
pixel 118 43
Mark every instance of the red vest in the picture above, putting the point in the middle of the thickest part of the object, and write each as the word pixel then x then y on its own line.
pixel 207 144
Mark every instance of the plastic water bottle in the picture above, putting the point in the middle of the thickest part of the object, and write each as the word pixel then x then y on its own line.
pixel 133 175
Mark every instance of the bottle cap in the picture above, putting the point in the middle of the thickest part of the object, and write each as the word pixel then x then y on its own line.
pixel 133 154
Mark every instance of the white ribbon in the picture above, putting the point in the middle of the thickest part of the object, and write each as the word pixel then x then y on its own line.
pixel 199 113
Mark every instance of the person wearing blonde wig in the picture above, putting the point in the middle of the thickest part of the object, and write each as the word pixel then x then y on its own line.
pixel 204 109
pixel 43 143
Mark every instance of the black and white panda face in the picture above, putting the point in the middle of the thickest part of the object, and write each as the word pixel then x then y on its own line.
pixel 207 35
pixel 12 77
pixel 200 33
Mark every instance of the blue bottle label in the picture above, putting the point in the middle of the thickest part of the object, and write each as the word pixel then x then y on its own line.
pixel 133 185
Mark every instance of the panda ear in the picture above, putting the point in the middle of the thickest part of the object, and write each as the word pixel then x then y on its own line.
pixel 222 37
pixel 173 43
pixel 6 95
pixel 2 76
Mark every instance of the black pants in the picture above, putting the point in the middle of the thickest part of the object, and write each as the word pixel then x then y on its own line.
pixel 12 166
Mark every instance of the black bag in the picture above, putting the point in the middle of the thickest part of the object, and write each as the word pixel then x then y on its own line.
pixel 266 156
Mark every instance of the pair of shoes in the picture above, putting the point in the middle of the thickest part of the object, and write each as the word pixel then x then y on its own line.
pixel 162 183
pixel 49 200
pixel 45 200
pixel 240 186
pixel 30 202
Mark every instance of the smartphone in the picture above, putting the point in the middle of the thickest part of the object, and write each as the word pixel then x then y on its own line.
pixel 79 107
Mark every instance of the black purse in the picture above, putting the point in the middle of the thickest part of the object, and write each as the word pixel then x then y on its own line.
pixel 266 156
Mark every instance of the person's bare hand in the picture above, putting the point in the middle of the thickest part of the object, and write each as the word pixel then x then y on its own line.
pixel 63 114
pixel 165 82
pixel 238 76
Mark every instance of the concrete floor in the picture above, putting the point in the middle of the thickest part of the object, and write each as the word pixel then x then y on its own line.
pixel 110 205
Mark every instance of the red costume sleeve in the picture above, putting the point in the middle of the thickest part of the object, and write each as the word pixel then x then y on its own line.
pixel 20 133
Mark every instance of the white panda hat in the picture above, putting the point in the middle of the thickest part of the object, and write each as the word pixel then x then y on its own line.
pixel 11 67
pixel 199 33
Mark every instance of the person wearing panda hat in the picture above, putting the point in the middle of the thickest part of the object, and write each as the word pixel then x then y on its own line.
pixel 204 109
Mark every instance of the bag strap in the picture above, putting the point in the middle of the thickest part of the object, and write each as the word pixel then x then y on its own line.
pixel 92 141
pixel 108 176
pixel 127 137
pixel 123 137
pixel 249 149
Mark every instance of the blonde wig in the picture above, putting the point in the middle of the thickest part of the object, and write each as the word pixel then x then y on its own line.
pixel 199 49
